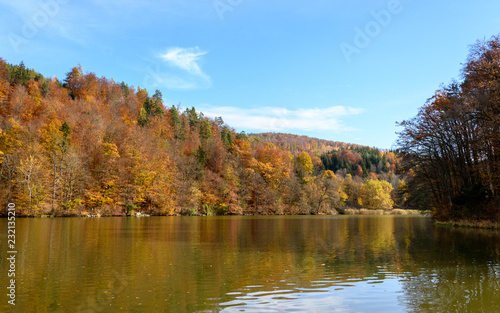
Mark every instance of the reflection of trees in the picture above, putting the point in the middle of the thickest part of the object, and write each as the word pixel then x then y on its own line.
pixel 456 270
pixel 185 262
pixel 188 264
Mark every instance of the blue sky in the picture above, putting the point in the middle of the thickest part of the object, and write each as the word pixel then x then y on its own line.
pixel 338 70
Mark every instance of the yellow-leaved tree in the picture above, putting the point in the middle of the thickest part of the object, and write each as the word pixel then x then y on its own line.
pixel 273 164
pixel 376 194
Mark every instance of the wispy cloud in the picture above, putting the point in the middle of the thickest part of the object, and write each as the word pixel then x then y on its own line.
pixel 282 119
pixel 185 59
pixel 179 69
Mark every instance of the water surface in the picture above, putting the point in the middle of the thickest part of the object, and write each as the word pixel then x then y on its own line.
pixel 252 264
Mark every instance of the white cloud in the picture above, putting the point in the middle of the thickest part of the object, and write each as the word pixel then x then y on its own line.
pixel 185 59
pixel 282 119
pixel 181 70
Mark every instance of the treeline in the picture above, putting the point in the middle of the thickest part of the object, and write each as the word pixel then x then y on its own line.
pixel 362 161
pixel 89 145
pixel 299 143
pixel 451 149
pixel 336 156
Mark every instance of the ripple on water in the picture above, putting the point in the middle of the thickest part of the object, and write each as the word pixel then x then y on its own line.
pixel 320 296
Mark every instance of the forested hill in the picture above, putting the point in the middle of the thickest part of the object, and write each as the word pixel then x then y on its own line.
pixel 361 161
pixel 297 143
pixel 336 156
pixel 88 145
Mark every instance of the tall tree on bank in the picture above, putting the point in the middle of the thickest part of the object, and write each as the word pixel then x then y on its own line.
pixel 451 148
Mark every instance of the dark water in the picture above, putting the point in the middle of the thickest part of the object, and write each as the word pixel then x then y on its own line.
pixel 251 264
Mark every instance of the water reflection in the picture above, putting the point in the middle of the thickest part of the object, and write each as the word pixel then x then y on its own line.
pixel 462 275
pixel 254 264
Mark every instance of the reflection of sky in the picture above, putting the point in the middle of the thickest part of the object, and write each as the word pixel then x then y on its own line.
pixel 368 295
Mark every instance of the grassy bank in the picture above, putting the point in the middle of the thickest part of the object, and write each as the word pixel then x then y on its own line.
pixel 382 212
pixel 469 224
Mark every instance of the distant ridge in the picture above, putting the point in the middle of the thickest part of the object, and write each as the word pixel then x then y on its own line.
pixel 299 143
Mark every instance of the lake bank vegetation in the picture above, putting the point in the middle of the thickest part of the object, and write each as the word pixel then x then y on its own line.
pixel 89 146
pixel 451 150
pixel 468 223
pixel 350 211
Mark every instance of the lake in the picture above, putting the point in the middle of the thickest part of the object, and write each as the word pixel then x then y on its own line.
pixel 252 264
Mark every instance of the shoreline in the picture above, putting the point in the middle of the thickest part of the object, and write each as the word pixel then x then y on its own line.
pixel 347 212
pixel 469 224
pixel 384 212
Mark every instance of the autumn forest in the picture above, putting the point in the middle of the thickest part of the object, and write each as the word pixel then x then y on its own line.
pixel 451 149
pixel 87 145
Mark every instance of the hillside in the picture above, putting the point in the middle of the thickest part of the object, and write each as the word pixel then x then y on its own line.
pixel 298 143
pixel 89 145
pixel 336 155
